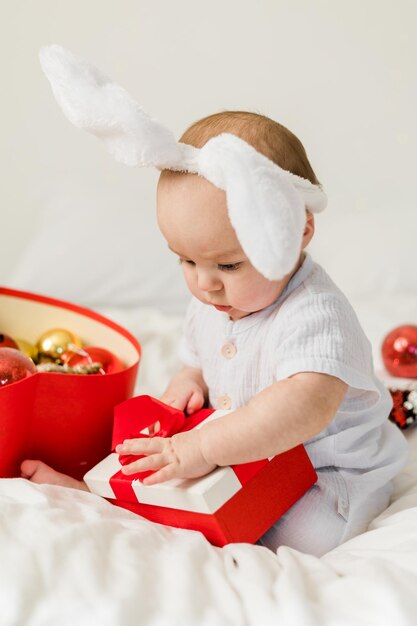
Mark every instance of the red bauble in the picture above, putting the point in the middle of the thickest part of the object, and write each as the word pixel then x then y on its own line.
pixel 14 365
pixel 399 351
pixel 92 354
pixel 7 342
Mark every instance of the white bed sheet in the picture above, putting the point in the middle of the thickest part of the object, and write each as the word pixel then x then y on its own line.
pixel 69 557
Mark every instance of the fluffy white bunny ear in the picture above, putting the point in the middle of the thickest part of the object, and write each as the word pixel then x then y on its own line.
pixel 266 204
pixel 265 209
pixel 92 101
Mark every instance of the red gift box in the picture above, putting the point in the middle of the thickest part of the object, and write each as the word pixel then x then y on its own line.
pixel 231 504
pixel 65 420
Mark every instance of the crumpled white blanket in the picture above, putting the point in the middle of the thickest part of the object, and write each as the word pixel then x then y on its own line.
pixel 69 557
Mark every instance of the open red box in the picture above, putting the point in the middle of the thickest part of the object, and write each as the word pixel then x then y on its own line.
pixel 63 419
pixel 231 504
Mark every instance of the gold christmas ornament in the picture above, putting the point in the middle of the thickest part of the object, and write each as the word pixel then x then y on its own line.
pixel 27 348
pixel 55 342
pixel 92 368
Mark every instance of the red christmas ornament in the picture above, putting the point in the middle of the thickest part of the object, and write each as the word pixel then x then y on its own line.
pixel 404 410
pixel 7 342
pixel 14 365
pixel 399 351
pixel 92 354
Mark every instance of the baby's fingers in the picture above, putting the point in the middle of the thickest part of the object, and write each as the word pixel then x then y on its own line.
pixel 166 473
pixel 195 402
pixel 153 462
pixel 146 446
pixel 177 398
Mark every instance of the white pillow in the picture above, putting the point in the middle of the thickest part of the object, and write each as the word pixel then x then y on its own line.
pixel 98 245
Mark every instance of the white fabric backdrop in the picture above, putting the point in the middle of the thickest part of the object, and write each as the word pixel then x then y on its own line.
pixel 340 77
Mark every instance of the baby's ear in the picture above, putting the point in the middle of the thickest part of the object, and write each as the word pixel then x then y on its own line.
pixel 308 228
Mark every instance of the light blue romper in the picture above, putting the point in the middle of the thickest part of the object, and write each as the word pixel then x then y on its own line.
pixel 311 327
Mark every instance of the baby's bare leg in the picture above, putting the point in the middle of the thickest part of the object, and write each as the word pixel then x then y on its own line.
pixel 38 472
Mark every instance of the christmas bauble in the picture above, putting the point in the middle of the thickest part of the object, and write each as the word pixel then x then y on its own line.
pixel 404 410
pixel 27 348
pixel 14 365
pixel 399 351
pixel 55 342
pixel 92 354
pixel 7 342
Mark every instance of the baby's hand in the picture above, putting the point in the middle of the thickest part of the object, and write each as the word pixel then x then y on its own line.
pixel 179 456
pixel 185 392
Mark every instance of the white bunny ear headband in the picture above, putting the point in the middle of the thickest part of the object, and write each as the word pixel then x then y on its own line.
pixel 266 203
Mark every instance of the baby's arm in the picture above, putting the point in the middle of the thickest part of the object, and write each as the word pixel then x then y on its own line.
pixel 186 391
pixel 287 413
pixel 278 418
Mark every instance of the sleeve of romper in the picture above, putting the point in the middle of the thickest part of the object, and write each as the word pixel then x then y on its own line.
pixel 321 333
pixel 187 347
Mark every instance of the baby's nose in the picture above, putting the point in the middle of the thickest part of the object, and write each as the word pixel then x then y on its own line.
pixel 207 281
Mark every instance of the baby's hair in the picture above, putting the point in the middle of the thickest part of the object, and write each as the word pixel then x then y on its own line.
pixel 268 137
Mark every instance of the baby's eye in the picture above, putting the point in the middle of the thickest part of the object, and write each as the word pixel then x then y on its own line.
pixel 188 261
pixel 229 267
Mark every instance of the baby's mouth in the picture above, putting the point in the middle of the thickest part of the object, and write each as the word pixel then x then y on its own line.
pixel 222 308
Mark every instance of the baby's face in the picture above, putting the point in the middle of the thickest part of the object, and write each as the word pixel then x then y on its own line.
pixel 192 216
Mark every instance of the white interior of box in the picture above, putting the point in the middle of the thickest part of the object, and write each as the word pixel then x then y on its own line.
pixel 28 319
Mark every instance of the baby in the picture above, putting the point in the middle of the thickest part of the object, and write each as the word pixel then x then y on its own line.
pixel 287 356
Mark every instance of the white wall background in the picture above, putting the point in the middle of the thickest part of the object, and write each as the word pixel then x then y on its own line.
pixel 341 75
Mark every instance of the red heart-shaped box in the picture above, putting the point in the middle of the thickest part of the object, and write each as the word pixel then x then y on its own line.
pixel 65 420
